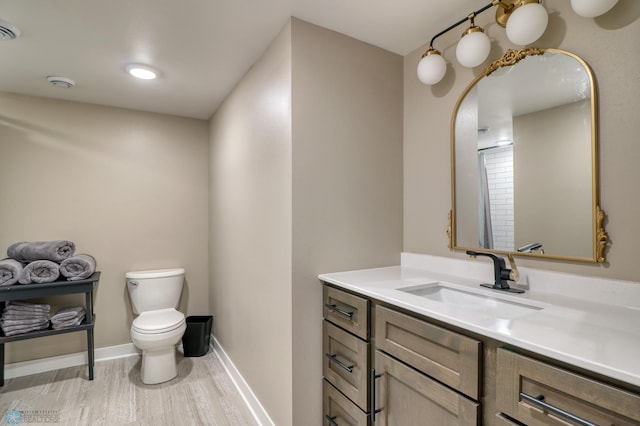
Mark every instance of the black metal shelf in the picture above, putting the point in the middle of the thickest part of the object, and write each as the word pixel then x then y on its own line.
pixel 57 288
pixel 47 332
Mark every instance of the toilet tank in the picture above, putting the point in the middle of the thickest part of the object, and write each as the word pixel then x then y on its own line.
pixel 154 289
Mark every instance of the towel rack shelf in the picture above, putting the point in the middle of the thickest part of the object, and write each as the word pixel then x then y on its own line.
pixel 33 291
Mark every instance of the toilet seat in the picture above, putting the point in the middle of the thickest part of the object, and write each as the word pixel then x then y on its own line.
pixel 158 321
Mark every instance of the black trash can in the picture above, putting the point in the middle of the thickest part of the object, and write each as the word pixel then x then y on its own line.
pixel 195 341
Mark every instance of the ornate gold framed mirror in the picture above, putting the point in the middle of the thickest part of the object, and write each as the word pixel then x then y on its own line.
pixel 524 156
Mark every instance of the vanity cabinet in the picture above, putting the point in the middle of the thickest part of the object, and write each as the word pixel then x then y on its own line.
pixel 447 356
pixel 407 397
pixel 387 366
pixel 421 371
pixel 425 372
pixel 347 361
pixel 538 393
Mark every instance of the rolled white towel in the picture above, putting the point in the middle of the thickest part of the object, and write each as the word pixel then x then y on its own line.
pixel 9 271
pixel 78 267
pixel 39 271
pixel 57 250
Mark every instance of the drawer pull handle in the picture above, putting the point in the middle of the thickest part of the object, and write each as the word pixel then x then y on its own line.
pixel 373 377
pixel 331 420
pixel 337 310
pixel 333 358
pixel 539 402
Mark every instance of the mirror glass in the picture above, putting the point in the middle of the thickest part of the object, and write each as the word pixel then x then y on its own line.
pixel 524 155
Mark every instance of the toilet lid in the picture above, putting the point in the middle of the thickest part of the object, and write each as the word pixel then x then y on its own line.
pixel 158 321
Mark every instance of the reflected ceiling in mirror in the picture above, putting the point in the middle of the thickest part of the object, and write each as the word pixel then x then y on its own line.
pixel 524 159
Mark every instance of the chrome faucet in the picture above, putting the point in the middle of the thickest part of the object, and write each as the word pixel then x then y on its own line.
pixel 501 273
pixel 530 248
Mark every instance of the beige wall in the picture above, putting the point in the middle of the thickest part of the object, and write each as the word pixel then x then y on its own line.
pixel 608 44
pixel 347 181
pixel 250 227
pixel 128 187
pixel 553 204
pixel 306 177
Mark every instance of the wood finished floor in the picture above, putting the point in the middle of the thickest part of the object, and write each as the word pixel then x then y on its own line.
pixel 202 394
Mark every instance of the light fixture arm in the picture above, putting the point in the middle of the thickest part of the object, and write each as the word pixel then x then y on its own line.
pixel 525 22
pixel 470 17
pixel 505 6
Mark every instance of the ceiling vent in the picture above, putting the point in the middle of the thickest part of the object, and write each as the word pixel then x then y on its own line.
pixel 63 82
pixel 8 31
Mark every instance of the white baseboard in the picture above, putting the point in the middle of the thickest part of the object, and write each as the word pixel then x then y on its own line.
pixel 25 368
pixel 258 411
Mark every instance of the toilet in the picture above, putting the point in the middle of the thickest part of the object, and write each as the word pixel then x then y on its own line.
pixel 158 326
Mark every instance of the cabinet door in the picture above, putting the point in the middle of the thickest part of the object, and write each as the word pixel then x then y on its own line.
pixel 347 311
pixel 338 410
pixel 449 357
pixel 407 397
pixel 521 381
pixel 346 363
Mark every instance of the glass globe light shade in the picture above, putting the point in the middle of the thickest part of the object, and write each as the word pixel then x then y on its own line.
pixel 431 67
pixel 473 48
pixel 592 8
pixel 527 23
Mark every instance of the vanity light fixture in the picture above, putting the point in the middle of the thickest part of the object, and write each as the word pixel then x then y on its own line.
pixel 592 8
pixel 143 72
pixel 525 22
pixel 474 46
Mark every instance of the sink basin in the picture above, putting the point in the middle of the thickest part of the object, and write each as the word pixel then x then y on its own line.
pixel 485 304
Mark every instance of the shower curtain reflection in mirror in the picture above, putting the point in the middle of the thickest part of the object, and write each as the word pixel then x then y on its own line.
pixel 496 197
pixel 486 231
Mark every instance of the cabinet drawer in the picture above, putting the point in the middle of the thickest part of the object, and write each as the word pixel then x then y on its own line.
pixel 407 397
pixel 338 410
pixel 346 363
pixel 347 310
pixel 519 379
pixel 447 356
pixel 502 420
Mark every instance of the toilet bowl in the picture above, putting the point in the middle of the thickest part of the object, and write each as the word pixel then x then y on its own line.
pixel 156 333
pixel 159 326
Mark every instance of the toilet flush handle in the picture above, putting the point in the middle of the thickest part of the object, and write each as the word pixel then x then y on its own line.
pixel 133 282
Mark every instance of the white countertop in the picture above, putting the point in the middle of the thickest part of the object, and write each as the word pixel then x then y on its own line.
pixel 599 337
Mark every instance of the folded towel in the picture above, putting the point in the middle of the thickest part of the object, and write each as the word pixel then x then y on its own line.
pixel 68 313
pixel 14 331
pixel 12 315
pixel 25 308
pixel 56 251
pixel 39 271
pixel 9 271
pixel 78 267
pixel 23 322
pixel 29 305
pixel 12 327
pixel 69 323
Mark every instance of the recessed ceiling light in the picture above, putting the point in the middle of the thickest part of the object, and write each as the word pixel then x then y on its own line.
pixel 58 81
pixel 143 72
pixel 8 31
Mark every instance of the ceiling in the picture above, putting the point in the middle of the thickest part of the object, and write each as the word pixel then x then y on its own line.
pixel 201 47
